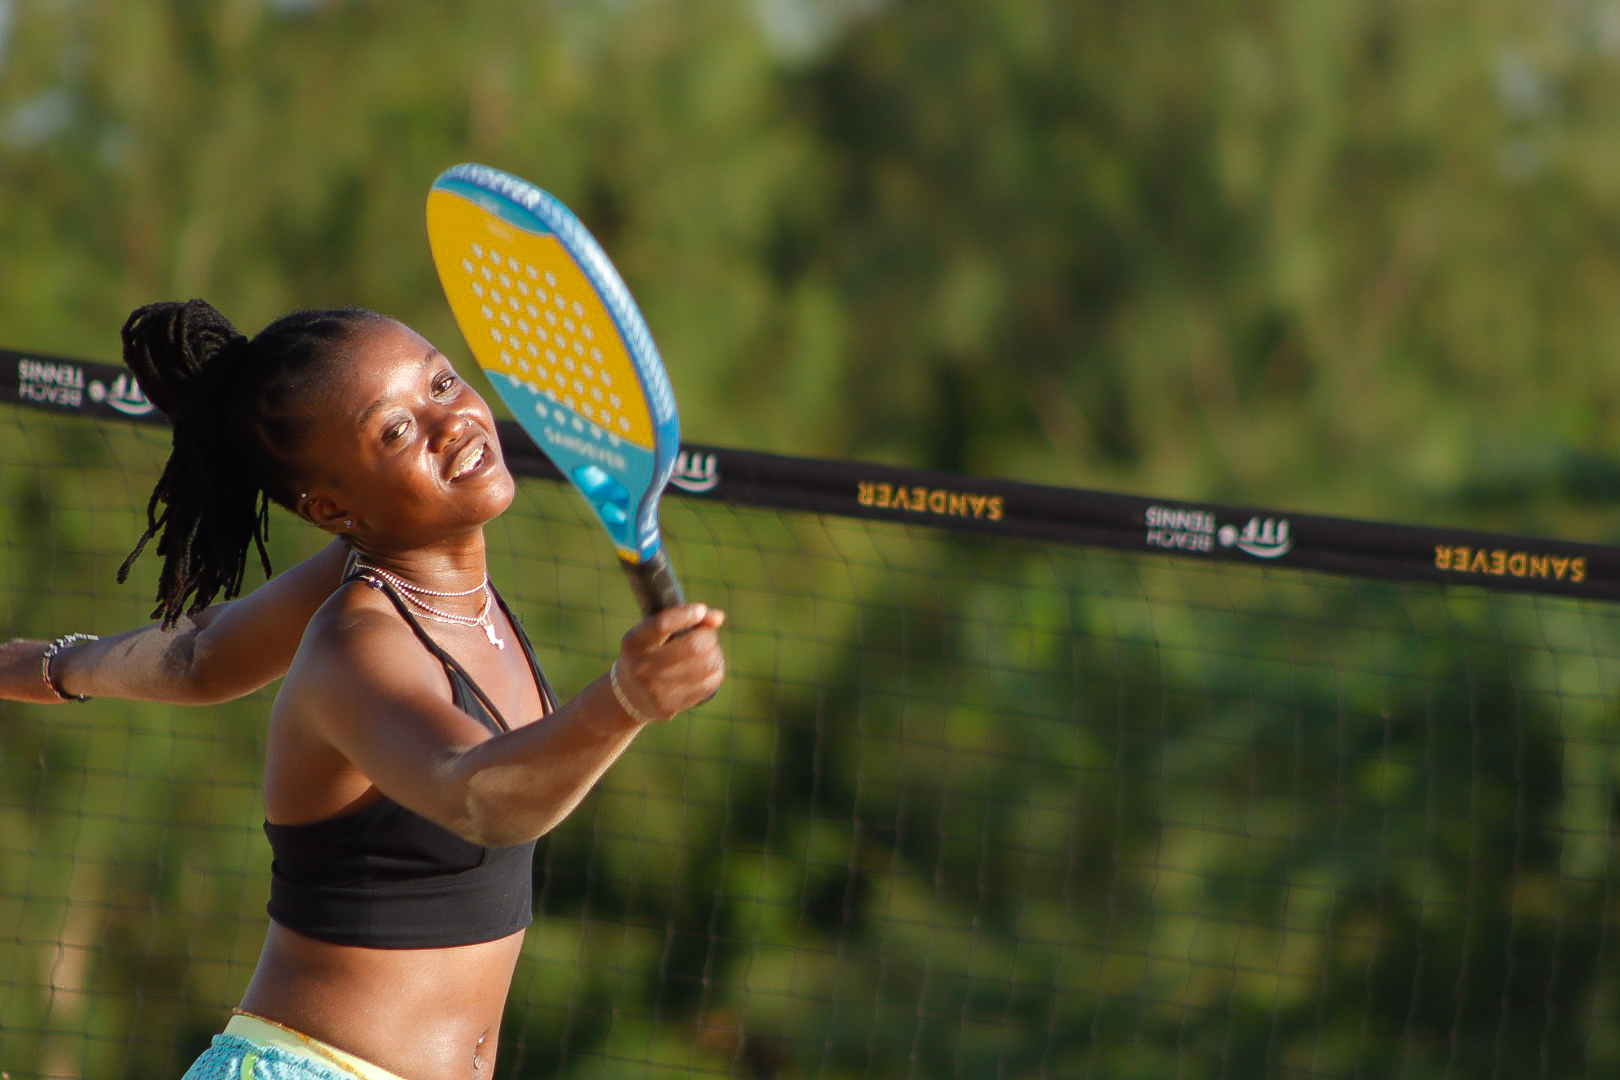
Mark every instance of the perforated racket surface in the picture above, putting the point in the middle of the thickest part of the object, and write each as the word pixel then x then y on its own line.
pixel 554 327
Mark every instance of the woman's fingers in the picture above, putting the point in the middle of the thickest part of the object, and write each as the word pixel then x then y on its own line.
pixel 672 660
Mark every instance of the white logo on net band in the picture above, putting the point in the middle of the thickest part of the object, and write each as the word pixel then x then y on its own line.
pixel 695 472
pixel 1178 528
pixel 66 384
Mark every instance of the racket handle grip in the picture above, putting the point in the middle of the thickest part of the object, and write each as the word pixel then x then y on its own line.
pixel 653 582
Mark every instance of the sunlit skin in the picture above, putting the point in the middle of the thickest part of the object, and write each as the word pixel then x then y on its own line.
pixel 406 469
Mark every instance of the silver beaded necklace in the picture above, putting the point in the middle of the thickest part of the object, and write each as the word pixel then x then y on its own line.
pixel 414 594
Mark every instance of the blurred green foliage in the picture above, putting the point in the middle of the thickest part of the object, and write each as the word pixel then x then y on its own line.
pixel 1344 257
pixel 966 809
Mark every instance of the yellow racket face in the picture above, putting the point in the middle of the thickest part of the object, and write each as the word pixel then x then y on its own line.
pixel 530 315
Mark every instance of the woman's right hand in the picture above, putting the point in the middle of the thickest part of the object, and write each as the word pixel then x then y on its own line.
pixel 223 652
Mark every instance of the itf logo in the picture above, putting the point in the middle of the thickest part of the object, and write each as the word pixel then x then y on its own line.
pixel 1264 538
pixel 124 394
pixel 695 472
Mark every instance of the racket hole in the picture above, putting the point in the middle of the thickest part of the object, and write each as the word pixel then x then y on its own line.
pixel 468 265
pixel 506 280
pixel 488 274
pixel 551 279
pixel 488 312
pixel 531 271
pixel 477 288
pixel 523 287
pixel 579 309
pixel 478 250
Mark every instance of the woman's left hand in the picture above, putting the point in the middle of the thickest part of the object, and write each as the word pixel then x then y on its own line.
pixel 671 661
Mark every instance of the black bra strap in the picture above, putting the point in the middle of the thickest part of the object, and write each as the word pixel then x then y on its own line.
pixel 548 698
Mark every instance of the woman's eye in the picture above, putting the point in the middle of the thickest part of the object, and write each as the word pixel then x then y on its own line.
pixel 395 430
pixel 445 383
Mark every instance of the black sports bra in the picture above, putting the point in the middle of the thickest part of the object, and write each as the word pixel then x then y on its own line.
pixel 386 877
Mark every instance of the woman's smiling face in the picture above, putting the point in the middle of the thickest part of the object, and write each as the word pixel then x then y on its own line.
pixel 403 447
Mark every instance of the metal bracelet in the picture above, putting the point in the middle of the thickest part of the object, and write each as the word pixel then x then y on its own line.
pixel 50 653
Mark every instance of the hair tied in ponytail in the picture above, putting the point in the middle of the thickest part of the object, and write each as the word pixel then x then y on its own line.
pixel 241 413
pixel 200 397
pixel 179 352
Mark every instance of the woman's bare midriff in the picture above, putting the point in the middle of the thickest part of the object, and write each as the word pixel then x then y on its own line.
pixel 424 1014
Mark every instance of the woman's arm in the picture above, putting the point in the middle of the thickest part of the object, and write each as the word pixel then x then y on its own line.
pixel 223 652
pixel 392 722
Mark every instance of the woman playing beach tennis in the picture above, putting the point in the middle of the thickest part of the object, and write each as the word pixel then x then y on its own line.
pixel 415 750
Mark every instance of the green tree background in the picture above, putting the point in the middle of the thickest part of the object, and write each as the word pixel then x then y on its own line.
pixel 972 811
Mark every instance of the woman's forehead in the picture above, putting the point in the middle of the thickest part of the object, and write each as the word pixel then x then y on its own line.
pixel 381 350
pixel 382 366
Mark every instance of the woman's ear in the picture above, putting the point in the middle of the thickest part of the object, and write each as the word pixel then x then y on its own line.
pixel 324 513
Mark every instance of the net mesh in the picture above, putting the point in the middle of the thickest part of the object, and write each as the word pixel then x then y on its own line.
pixel 967 807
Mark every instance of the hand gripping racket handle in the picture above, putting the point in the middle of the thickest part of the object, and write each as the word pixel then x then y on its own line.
pixel 653 582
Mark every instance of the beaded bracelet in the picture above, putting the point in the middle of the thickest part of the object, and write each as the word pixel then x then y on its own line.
pixel 50 654
pixel 624 702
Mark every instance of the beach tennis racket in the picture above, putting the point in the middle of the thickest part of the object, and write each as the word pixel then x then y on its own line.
pixel 553 326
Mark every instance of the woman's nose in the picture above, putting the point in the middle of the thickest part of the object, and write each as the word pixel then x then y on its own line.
pixel 449 426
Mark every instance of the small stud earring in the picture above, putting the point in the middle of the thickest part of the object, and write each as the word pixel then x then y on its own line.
pixel 348 523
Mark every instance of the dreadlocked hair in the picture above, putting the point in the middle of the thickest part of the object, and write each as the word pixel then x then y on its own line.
pixel 239 409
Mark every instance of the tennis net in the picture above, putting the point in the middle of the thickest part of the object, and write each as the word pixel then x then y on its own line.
pixel 1007 781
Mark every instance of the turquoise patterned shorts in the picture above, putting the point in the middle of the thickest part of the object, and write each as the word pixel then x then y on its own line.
pixel 235 1058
